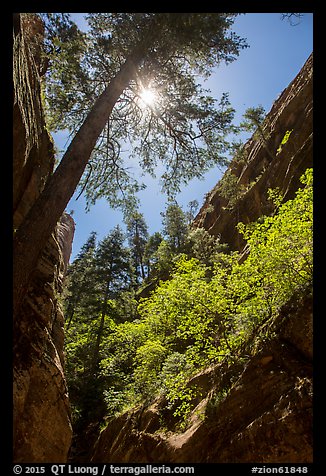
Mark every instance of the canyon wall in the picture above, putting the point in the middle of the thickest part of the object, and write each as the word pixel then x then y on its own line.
pixel 42 429
pixel 268 163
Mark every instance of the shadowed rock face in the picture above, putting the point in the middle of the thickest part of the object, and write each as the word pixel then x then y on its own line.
pixel 42 428
pixel 269 165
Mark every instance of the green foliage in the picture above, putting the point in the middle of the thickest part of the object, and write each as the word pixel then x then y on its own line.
pixel 239 152
pixel 253 118
pixel 174 311
pixel 149 359
pixel 230 188
pixel 284 140
pixel 254 122
pixel 150 251
pixel 185 130
pixel 137 234
pixel 175 227
pixel 225 317
pixel 203 246
pixel 162 259
pixel 181 398
pixel 64 48
pixel 81 278
pixel 209 311
pixel 112 260
pixel 192 210
pixel 214 402
pixel 281 246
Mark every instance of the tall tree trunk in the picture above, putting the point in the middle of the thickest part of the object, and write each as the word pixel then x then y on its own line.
pixel 32 235
pixel 143 275
pixel 100 330
pixel 139 252
pixel 70 314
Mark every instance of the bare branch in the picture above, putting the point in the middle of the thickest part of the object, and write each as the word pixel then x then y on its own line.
pixel 293 18
pixel 86 181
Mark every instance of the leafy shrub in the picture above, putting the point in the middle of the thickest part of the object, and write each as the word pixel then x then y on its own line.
pixel 202 315
pixel 208 320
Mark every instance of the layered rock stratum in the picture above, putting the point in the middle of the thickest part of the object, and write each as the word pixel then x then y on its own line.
pixel 268 164
pixel 42 428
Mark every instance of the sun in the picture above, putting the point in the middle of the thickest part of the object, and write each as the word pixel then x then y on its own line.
pixel 148 97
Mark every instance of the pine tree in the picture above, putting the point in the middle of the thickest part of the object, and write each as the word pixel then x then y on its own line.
pixel 81 278
pixel 137 234
pixel 175 227
pixel 150 251
pixel 113 272
pixel 99 280
pixel 125 52
pixel 192 210
pixel 253 122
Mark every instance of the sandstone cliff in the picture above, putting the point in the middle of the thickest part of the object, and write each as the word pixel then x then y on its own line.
pixel 42 428
pixel 260 410
pixel 268 165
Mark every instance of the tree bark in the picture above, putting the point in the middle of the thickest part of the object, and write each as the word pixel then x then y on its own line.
pixel 33 234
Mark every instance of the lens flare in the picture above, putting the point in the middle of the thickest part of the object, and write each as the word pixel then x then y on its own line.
pixel 148 97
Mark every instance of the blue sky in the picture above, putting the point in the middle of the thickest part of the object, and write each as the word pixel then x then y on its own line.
pixel 276 54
